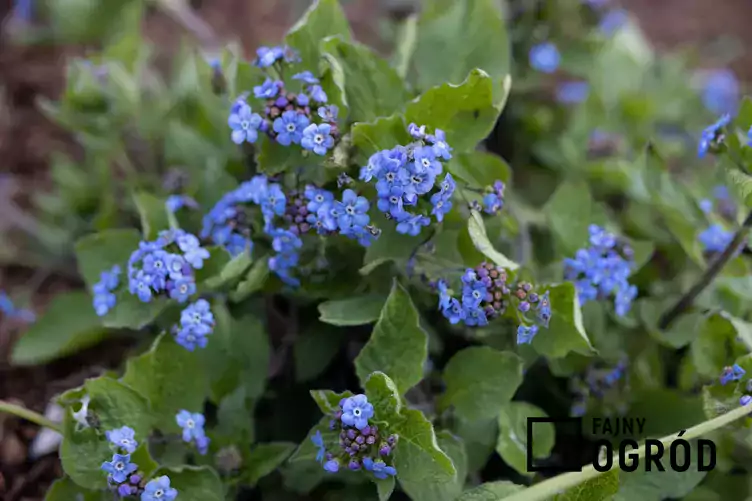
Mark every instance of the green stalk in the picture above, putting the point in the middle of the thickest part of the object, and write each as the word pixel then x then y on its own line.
pixel 405 47
pixel 561 483
pixel 28 415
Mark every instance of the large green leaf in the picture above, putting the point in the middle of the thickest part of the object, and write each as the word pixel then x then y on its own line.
pixel 491 491
pixel 315 349
pixel 82 454
pixel 171 377
pixel 381 134
pixel 512 443
pixel 267 457
pixel 68 325
pixel 425 472
pixel 65 489
pixel 601 487
pixel 479 168
pixel 569 212
pixel 398 345
pixel 358 310
pixel 455 36
pixel 153 212
pixel 372 87
pixel 477 231
pixel 323 19
pixel 383 394
pixel 194 483
pixel 565 332
pixel 465 112
pixel 480 381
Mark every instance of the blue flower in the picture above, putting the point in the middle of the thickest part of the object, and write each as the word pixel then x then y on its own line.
pixel 525 334
pixel 453 311
pixel 473 293
pixel 572 92
pixel 613 21
pixel 273 201
pixel 392 203
pixel 545 57
pixel 492 204
pixel 306 77
pixel 706 206
pixel 119 468
pixel 269 89
pixel 182 288
pixel 244 124
pixel 600 238
pixel 416 132
pixel 331 466
pixel 413 225
pixel 425 160
pixel 441 203
pixel 302 99
pixel 444 297
pixel 267 56
pixel 289 127
pixel 544 309
pixel 379 468
pixel 715 238
pixel 104 299
pixel 475 316
pixel 317 94
pixel 372 168
pixel 196 323
pixel 159 489
pixel 721 92
pixel 711 134
pixel 356 411
pixel 177 202
pixel 285 241
pixel 440 147
pixel 734 373
pixel 193 253
pixel 328 113
pixel 318 441
pixel 123 438
pixel 745 400
pixel 317 138
pixel 317 198
pixel 192 425
pixel 352 210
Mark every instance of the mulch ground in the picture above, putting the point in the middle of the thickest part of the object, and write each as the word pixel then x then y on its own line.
pixel 27 138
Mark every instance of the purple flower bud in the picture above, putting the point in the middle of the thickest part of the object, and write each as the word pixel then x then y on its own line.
pixel 360 439
pixel 533 297
pixel 354 465
pixel 355 447
pixel 332 424
pixel 385 450
pixel 124 490
pixel 135 479
pixel 392 440
pixel 351 434
pixel 329 456
pixel 745 400
pixel 370 440
pixel 524 306
pixel 366 431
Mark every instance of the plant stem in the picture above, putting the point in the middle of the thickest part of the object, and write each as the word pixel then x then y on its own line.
pixel 548 488
pixel 714 269
pixel 28 415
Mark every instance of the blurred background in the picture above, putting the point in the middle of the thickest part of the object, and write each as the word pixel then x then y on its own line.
pixel 717 33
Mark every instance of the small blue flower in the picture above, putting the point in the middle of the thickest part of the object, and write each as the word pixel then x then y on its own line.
pixel 475 316
pixel 525 334
pixel 544 309
pixel 356 411
pixel 712 134
pixel 733 373
pixel 267 56
pixel 444 297
pixel 379 468
pixel 441 205
pixel 289 127
pixel 417 132
pixel 104 300
pixel 721 92
pixel 197 318
pixel 182 288
pixel 303 100
pixel 413 225
pixel 331 466
pixel 600 238
pixel 473 293
pixel 177 202
pixel 119 468
pixel 306 77
pixel 123 438
pixel 192 425
pixel 273 201
pixel 745 400
pixel 193 253
pixel 425 160
pixel 392 204
pixel 318 94
pixel 572 92
pixel 328 113
pixel 715 238
pixel 613 21
pixel 545 57
pixel 492 204
pixel 317 198
pixel 269 89
pixel 317 138
pixel 706 205
pixel 285 241
pixel 352 210
pixel 159 489
pixel 453 311
pixel 244 124
pixel 318 441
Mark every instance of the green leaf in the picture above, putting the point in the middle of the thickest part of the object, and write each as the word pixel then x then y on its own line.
pixel 359 310
pixel 569 212
pixel 715 345
pixel 65 489
pixel 231 272
pixel 237 354
pixel 82 454
pixel 153 212
pixel 253 282
pixel 477 230
pixel 389 247
pixel 372 87
pixel 384 488
pixel 479 168
pixel 116 405
pixel 235 418
pixel 479 438
pixel 599 488
pixel 171 377
pixel 380 134
pixel 384 395
pixel 194 483
pixel 324 18
pixel 565 332
pixel 512 442
pixel 491 491
pixel 314 350
pixel 454 447
pixel 273 158
pixel 465 112
pixel 265 458
pixel 68 325
pixel 454 37
pixel 480 381
pixel 398 345
pixel 425 472
pixel 328 401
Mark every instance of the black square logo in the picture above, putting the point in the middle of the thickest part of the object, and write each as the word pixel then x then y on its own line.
pixel 571 430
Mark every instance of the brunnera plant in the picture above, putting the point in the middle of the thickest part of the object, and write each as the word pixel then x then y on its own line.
pixel 336 288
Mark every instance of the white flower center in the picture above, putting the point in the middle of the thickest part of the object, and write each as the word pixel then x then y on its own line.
pixel 356 412
pixel 318 139
pixel 119 466
pixel 290 127
pixel 245 124
pixel 190 423
pixel 158 493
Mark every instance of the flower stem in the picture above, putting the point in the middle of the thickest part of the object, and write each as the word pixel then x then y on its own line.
pixel 713 270
pixel 28 415
pixel 549 488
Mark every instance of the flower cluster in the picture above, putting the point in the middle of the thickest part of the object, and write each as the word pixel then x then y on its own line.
pixel 193 430
pixel 287 116
pixel 123 475
pixel 486 294
pixel 104 298
pixel 712 137
pixel 405 173
pixel 196 323
pixel 733 373
pixel 493 198
pixel 9 309
pixel 229 222
pixel 602 270
pixel 361 444
pixel 166 266
pixel 602 383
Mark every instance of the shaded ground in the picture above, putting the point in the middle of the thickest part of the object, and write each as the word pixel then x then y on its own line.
pixel 26 138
